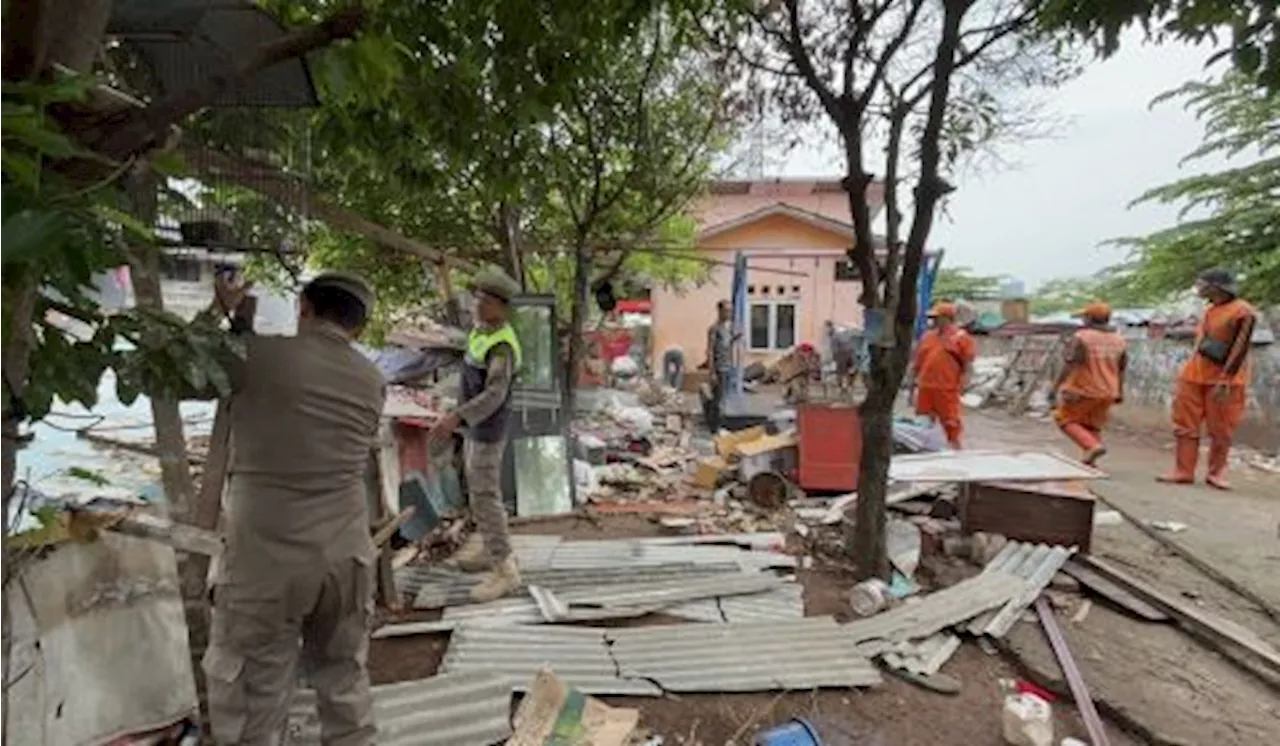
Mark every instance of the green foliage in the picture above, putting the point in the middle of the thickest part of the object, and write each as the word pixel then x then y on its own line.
pixel 1114 285
pixel 1253 26
pixel 960 283
pixel 1229 218
pixel 59 234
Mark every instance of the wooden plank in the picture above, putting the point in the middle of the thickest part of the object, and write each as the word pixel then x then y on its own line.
pixel 1114 593
pixel 1216 630
pixel 380 482
pixel 383 534
pixel 1075 680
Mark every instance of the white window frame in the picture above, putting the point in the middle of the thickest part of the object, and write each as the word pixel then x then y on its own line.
pixel 773 323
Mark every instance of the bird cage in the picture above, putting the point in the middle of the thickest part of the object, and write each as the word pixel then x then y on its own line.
pixel 247 158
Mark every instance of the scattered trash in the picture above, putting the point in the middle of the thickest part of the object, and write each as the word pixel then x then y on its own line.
pixel 1027 720
pixel 1173 527
pixel 1082 612
pixel 1107 518
pixel 870 597
pixel 794 732
pixel 551 709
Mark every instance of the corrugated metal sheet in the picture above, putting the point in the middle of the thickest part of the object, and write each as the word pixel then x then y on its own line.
pixel 925 657
pixel 618 602
pixel 799 654
pixel 786 602
pixel 760 540
pixel 934 612
pixel 434 586
pixel 406 629
pixel 1036 564
pixel 468 709
pixel 987 466
pixel 640 553
pixel 578 655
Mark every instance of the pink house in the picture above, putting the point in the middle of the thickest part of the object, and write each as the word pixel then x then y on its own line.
pixel 795 234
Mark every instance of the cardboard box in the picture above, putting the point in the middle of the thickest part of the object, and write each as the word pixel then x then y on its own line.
pixel 727 444
pixel 709 470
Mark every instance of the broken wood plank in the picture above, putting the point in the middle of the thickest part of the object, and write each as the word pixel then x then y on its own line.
pixel 1196 561
pixel 177 535
pixel 1216 630
pixel 1113 592
pixel 1079 689
pixel 383 534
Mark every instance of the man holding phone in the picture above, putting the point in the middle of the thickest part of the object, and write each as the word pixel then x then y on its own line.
pixel 1212 385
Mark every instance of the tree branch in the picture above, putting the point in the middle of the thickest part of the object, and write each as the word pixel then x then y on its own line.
pixel 930 188
pixel 139 129
pixel 278 186
pixel 891 49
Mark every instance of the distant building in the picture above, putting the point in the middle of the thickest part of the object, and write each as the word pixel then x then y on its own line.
pixel 795 234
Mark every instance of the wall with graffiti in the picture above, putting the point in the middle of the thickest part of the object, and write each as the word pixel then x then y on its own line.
pixel 1153 368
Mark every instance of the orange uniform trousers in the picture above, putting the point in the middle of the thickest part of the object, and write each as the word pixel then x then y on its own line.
pixel 1198 406
pixel 942 405
pixel 1082 419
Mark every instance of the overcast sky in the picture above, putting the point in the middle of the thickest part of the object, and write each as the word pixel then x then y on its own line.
pixel 1049 215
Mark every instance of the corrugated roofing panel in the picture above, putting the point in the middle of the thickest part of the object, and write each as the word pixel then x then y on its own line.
pixel 467 709
pixel 1036 564
pixel 578 655
pixel 931 613
pixel 925 656
pixel 434 587
pixel 785 602
pixel 616 601
pixel 639 553
pixel 799 654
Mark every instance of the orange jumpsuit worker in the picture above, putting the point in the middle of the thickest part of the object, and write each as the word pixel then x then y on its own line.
pixel 942 362
pixel 1091 381
pixel 1212 385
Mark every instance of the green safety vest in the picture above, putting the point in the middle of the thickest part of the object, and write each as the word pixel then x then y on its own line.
pixel 479 343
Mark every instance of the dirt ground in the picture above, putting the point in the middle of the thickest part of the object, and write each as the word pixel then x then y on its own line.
pixel 1155 680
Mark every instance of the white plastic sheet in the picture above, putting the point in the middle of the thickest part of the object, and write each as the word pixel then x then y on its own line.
pixel 99 644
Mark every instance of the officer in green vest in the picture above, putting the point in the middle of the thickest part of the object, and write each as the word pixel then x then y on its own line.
pixel 492 359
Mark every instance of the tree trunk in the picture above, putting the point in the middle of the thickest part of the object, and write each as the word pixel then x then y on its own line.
pixel 577 320
pixel 171 443
pixel 18 305
pixel 36 32
pixel 866 542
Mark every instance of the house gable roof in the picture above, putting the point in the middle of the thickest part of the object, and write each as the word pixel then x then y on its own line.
pixel 821 222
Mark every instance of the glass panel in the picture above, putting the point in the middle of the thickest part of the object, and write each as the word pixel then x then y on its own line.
pixel 785 325
pixel 533 328
pixel 542 476
pixel 759 326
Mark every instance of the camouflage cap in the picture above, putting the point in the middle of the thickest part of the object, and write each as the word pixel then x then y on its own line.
pixel 353 284
pixel 493 281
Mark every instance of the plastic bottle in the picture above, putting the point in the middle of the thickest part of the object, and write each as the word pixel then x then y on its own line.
pixel 1027 720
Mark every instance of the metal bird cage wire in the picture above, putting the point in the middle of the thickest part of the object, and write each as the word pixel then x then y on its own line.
pixel 246 160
